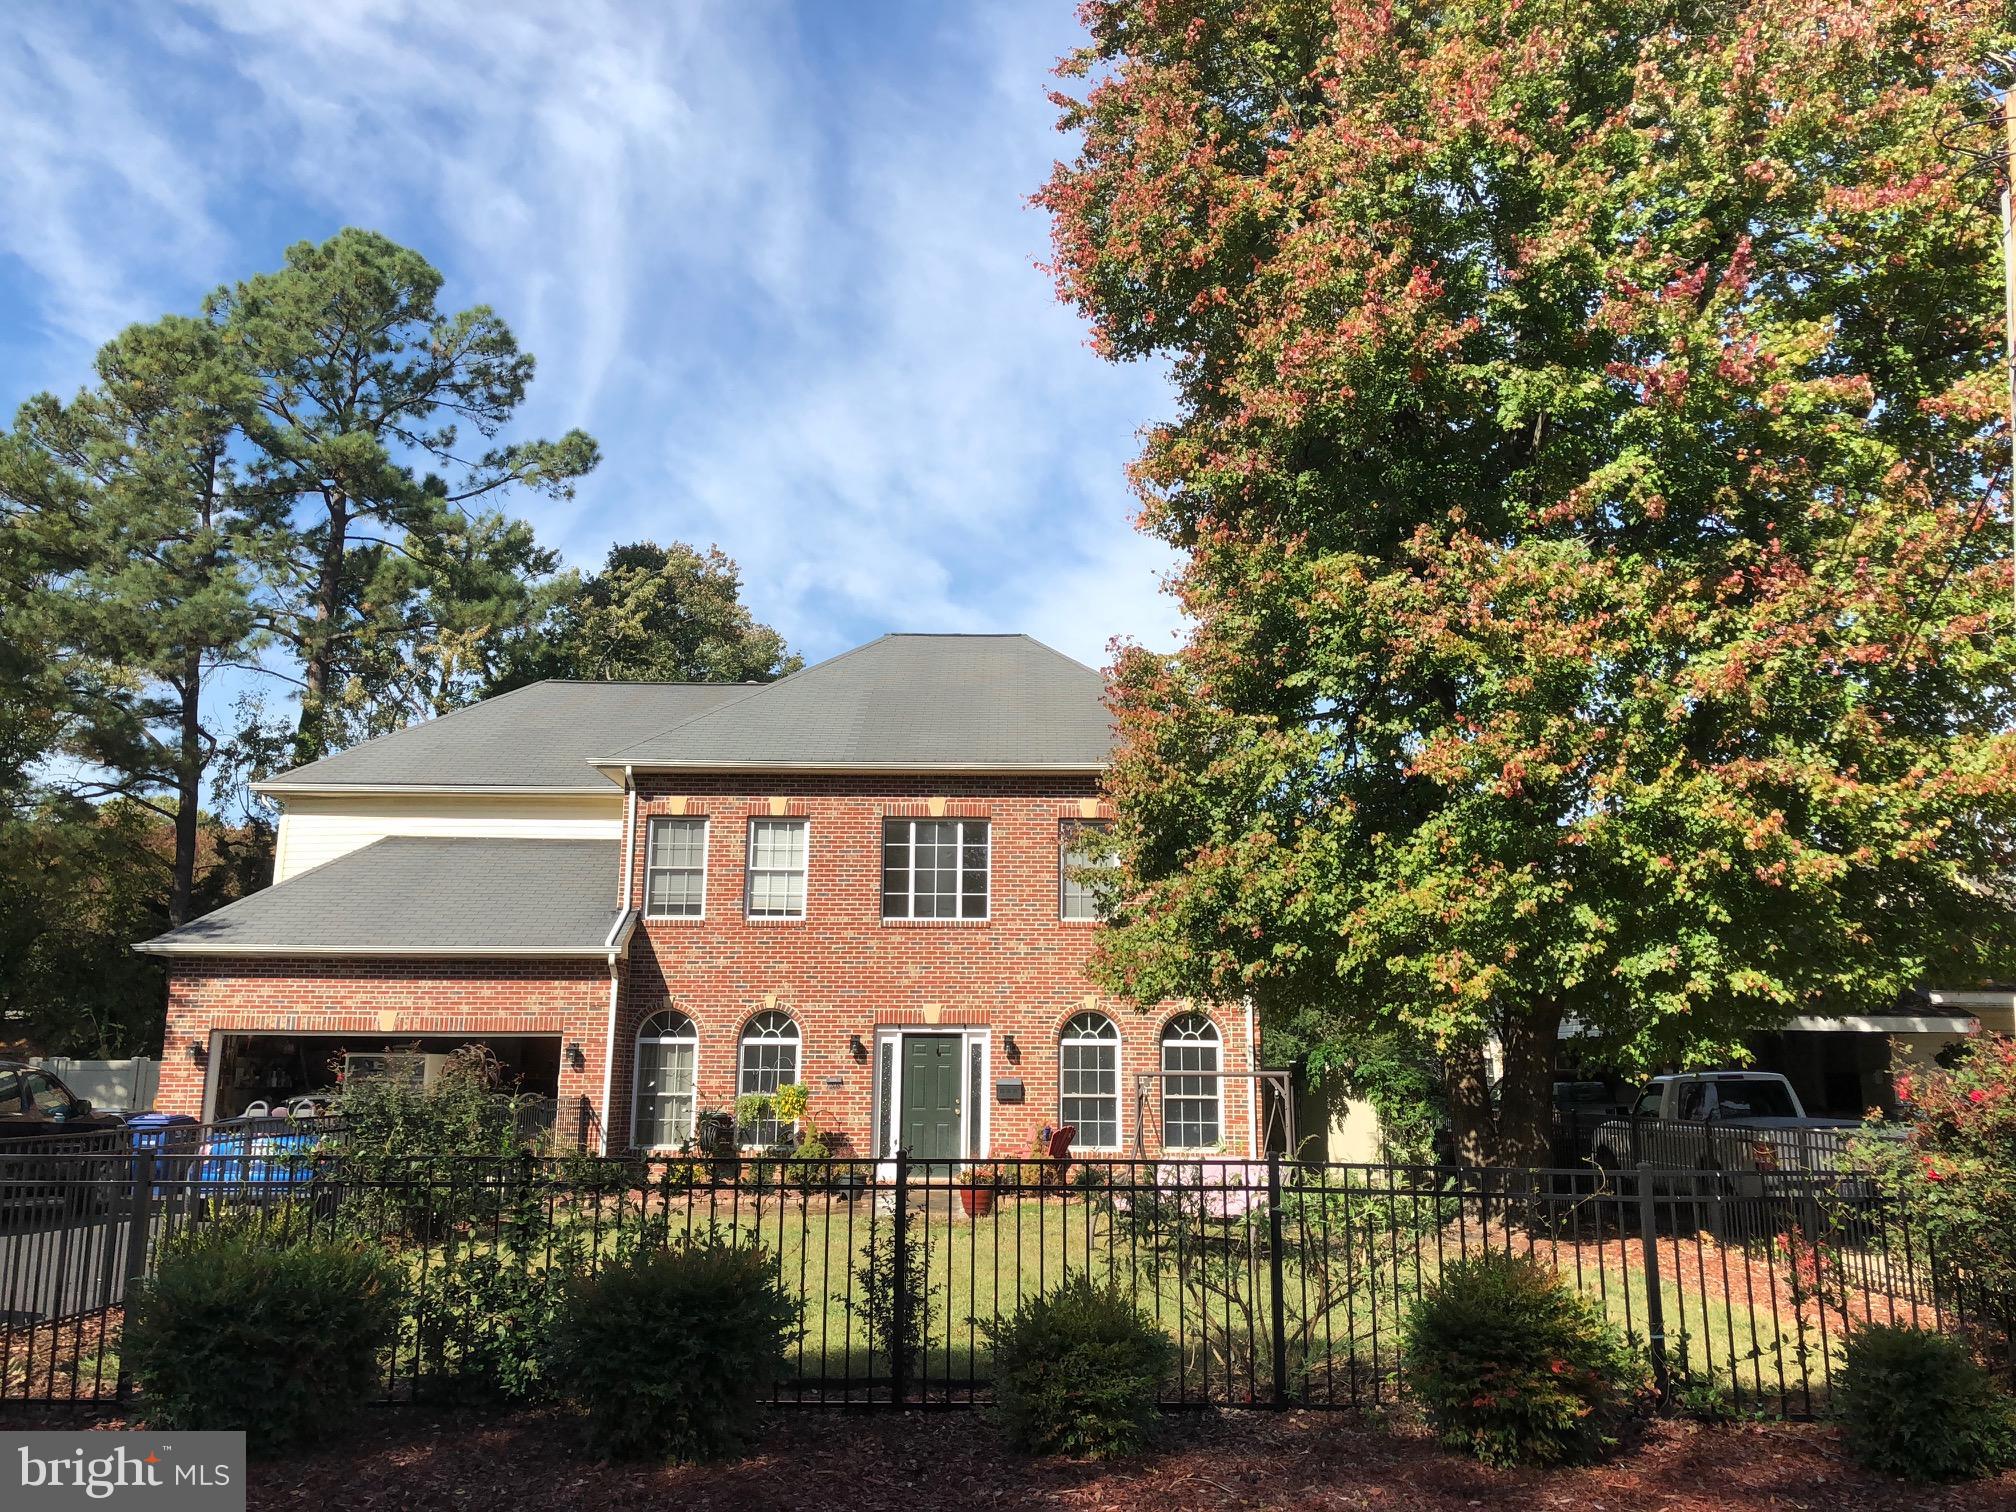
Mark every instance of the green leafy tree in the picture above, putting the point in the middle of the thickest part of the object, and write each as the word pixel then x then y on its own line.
pixel 1584 416
pixel 655 614
pixel 79 883
pixel 374 440
pixel 148 565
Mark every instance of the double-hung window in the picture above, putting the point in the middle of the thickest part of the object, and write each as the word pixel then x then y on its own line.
pixel 769 1060
pixel 934 869
pixel 1190 1104
pixel 776 869
pixel 675 869
pixel 1088 1084
pixel 1076 898
pixel 666 1048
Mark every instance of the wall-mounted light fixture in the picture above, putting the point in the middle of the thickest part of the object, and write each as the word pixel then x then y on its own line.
pixel 855 1048
pixel 575 1057
pixel 197 1053
pixel 1014 1050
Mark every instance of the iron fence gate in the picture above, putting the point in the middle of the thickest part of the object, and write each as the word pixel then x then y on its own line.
pixel 1282 1283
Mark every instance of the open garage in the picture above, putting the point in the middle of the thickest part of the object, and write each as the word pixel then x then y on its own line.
pixel 250 1069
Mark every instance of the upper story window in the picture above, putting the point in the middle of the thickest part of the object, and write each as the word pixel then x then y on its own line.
pixel 934 869
pixel 776 868
pixel 1075 897
pixel 675 869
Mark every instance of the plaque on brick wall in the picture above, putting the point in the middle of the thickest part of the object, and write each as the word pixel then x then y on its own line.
pixel 1009 1091
pixel 836 1081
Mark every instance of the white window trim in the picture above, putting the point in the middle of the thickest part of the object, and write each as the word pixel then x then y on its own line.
pixel 884 1137
pixel 882 858
pixel 650 850
pixel 637 1043
pixel 1119 1044
pixel 743 1040
pixel 749 870
pixel 1216 1078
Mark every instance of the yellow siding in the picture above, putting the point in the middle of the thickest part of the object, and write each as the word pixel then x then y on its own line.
pixel 319 829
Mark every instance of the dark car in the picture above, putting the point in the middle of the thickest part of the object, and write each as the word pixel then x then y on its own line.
pixel 34 1104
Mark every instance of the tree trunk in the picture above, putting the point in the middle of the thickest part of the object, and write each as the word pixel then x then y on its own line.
pixel 1470 1107
pixel 1516 1130
pixel 1526 1094
pixel 188 791
pixel 318 658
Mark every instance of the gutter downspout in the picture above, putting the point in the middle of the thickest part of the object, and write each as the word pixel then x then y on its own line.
pixel 1254 1089
pixel 615 981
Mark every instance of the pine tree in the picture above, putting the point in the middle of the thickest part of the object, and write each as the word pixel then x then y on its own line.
pixel 375 445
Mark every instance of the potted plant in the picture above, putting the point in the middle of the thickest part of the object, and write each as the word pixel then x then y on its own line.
pixel 978 1186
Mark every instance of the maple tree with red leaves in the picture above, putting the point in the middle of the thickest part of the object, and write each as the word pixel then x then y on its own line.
pixel 1586 465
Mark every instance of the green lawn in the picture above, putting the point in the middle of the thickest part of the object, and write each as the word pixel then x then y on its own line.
pixel 1351 1263
pixel 1347 1279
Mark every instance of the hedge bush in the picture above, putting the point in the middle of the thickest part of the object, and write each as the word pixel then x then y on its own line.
pixel 282 1342
pixel 1514 1367
pixel 1916 1404
pixel 671 1354
pixel 1078 1371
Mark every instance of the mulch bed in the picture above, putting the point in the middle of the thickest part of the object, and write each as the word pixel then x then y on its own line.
pixel 832 1458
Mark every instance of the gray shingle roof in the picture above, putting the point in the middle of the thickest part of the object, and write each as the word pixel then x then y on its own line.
pixel 539 736
pixel 971 702
pixel 410 895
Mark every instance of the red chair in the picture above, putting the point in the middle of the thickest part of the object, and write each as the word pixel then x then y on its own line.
pixel 1057 1162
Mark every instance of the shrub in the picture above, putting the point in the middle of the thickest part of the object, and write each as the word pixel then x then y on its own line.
pixel 808 1164
pixel 280 1342
pixel 1515 1368
pixel 468 1111
pixel 873 1300
pixel 1916 1404
pixel 672 1353
pixel 1078 1371
pixel 482 1326
pixel 272 1225
pixel 1954 1169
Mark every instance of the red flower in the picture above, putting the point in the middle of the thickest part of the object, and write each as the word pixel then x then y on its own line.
pixel 1977 1096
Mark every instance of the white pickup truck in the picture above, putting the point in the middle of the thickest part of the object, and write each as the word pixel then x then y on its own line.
pixel 1743 1125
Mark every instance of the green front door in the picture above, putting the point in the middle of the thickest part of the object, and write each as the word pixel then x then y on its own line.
pixel 930 1121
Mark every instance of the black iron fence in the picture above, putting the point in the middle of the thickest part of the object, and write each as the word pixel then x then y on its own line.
pixel 1281 1282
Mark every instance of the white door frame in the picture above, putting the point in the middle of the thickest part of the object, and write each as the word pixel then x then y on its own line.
pixel 879 1102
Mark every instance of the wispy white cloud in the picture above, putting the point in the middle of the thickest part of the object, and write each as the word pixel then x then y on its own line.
pixel 778 259
pixel 97 201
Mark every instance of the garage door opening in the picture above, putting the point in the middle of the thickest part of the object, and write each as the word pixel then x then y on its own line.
pixel 275 1068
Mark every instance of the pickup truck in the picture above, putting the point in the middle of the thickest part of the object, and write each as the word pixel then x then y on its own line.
pixel 1746 1126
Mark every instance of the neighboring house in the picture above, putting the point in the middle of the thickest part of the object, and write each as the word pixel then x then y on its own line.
pixel 649 898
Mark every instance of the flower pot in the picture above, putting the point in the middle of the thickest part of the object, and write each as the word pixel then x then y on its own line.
pixel 977 1200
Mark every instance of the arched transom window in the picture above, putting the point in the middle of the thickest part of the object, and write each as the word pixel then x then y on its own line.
pixel 1088 1081
pixel 667 1051
pixel 769 1061
pixel 1190 1084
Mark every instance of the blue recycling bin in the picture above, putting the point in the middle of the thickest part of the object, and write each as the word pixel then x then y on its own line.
pixel 165 1134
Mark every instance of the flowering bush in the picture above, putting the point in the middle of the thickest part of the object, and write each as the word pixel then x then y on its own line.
pixel 1955 1169
pixel 1512 1366
pixel 1187 1190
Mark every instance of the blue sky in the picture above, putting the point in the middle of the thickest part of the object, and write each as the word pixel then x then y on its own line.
pixel 777 258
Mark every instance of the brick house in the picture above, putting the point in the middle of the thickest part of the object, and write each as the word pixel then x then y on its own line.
pixel 648 899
